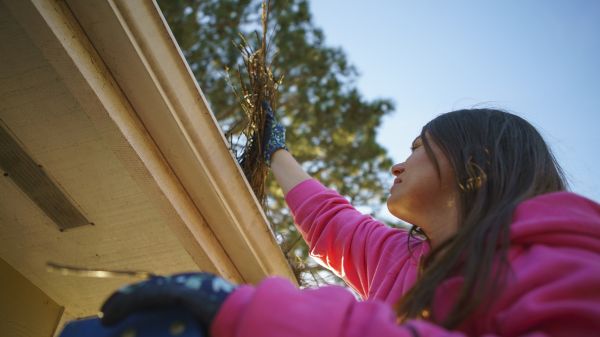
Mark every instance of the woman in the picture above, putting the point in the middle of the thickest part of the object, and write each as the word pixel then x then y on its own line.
pixel 498 247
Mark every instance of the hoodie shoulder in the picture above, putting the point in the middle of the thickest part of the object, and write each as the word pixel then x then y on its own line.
pixel 558 218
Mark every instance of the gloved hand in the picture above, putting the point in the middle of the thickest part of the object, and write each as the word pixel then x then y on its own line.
pixel 274 134
pixel 201 293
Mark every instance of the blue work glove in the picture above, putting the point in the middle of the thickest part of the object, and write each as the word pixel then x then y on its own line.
pixel 200 293
pixel 274 134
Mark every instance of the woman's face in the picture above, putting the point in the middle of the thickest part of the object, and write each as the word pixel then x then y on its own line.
pixel 421 197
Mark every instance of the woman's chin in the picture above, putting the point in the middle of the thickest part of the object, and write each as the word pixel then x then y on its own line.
pixel 399 208
pixel 394 209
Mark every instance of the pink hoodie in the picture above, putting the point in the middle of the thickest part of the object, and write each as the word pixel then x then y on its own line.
pixel 554 288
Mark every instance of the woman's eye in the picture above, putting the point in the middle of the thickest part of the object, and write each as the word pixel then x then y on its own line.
pixel 416 143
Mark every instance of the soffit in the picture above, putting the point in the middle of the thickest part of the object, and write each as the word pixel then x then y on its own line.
pixel 164 200
pixel 130 232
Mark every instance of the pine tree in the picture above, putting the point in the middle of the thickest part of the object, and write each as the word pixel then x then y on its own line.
pixel 331 127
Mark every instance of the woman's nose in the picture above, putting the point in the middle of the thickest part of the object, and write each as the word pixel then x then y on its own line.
pixel 398 169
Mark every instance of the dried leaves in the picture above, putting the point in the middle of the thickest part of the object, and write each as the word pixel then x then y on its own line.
pixel 257 84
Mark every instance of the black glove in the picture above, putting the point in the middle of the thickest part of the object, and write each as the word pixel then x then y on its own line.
pixel 201 293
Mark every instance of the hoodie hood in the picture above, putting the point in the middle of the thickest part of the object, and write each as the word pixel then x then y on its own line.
pixel 560 219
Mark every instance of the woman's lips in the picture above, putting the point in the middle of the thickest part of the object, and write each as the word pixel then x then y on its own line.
pixel 397 181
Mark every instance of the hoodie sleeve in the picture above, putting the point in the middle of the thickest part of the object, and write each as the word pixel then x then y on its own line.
pixel 552 290
pixel 276 308
pixel 370 256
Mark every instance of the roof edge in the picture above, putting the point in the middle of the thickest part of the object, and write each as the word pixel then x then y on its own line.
pixel 140 51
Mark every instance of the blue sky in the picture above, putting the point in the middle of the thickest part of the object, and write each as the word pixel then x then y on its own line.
pixel 538 59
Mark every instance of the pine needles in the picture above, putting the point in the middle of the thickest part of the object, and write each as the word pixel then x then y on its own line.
pixel 257 84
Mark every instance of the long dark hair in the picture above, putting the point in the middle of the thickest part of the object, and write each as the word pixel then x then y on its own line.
pixel 499 160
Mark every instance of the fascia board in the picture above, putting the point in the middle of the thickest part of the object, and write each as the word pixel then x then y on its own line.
pixel 139 50
pixel 58 35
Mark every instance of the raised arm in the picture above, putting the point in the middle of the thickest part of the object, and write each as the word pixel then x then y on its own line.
pixel 369 255
pixel 286 170
pixel 284 166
